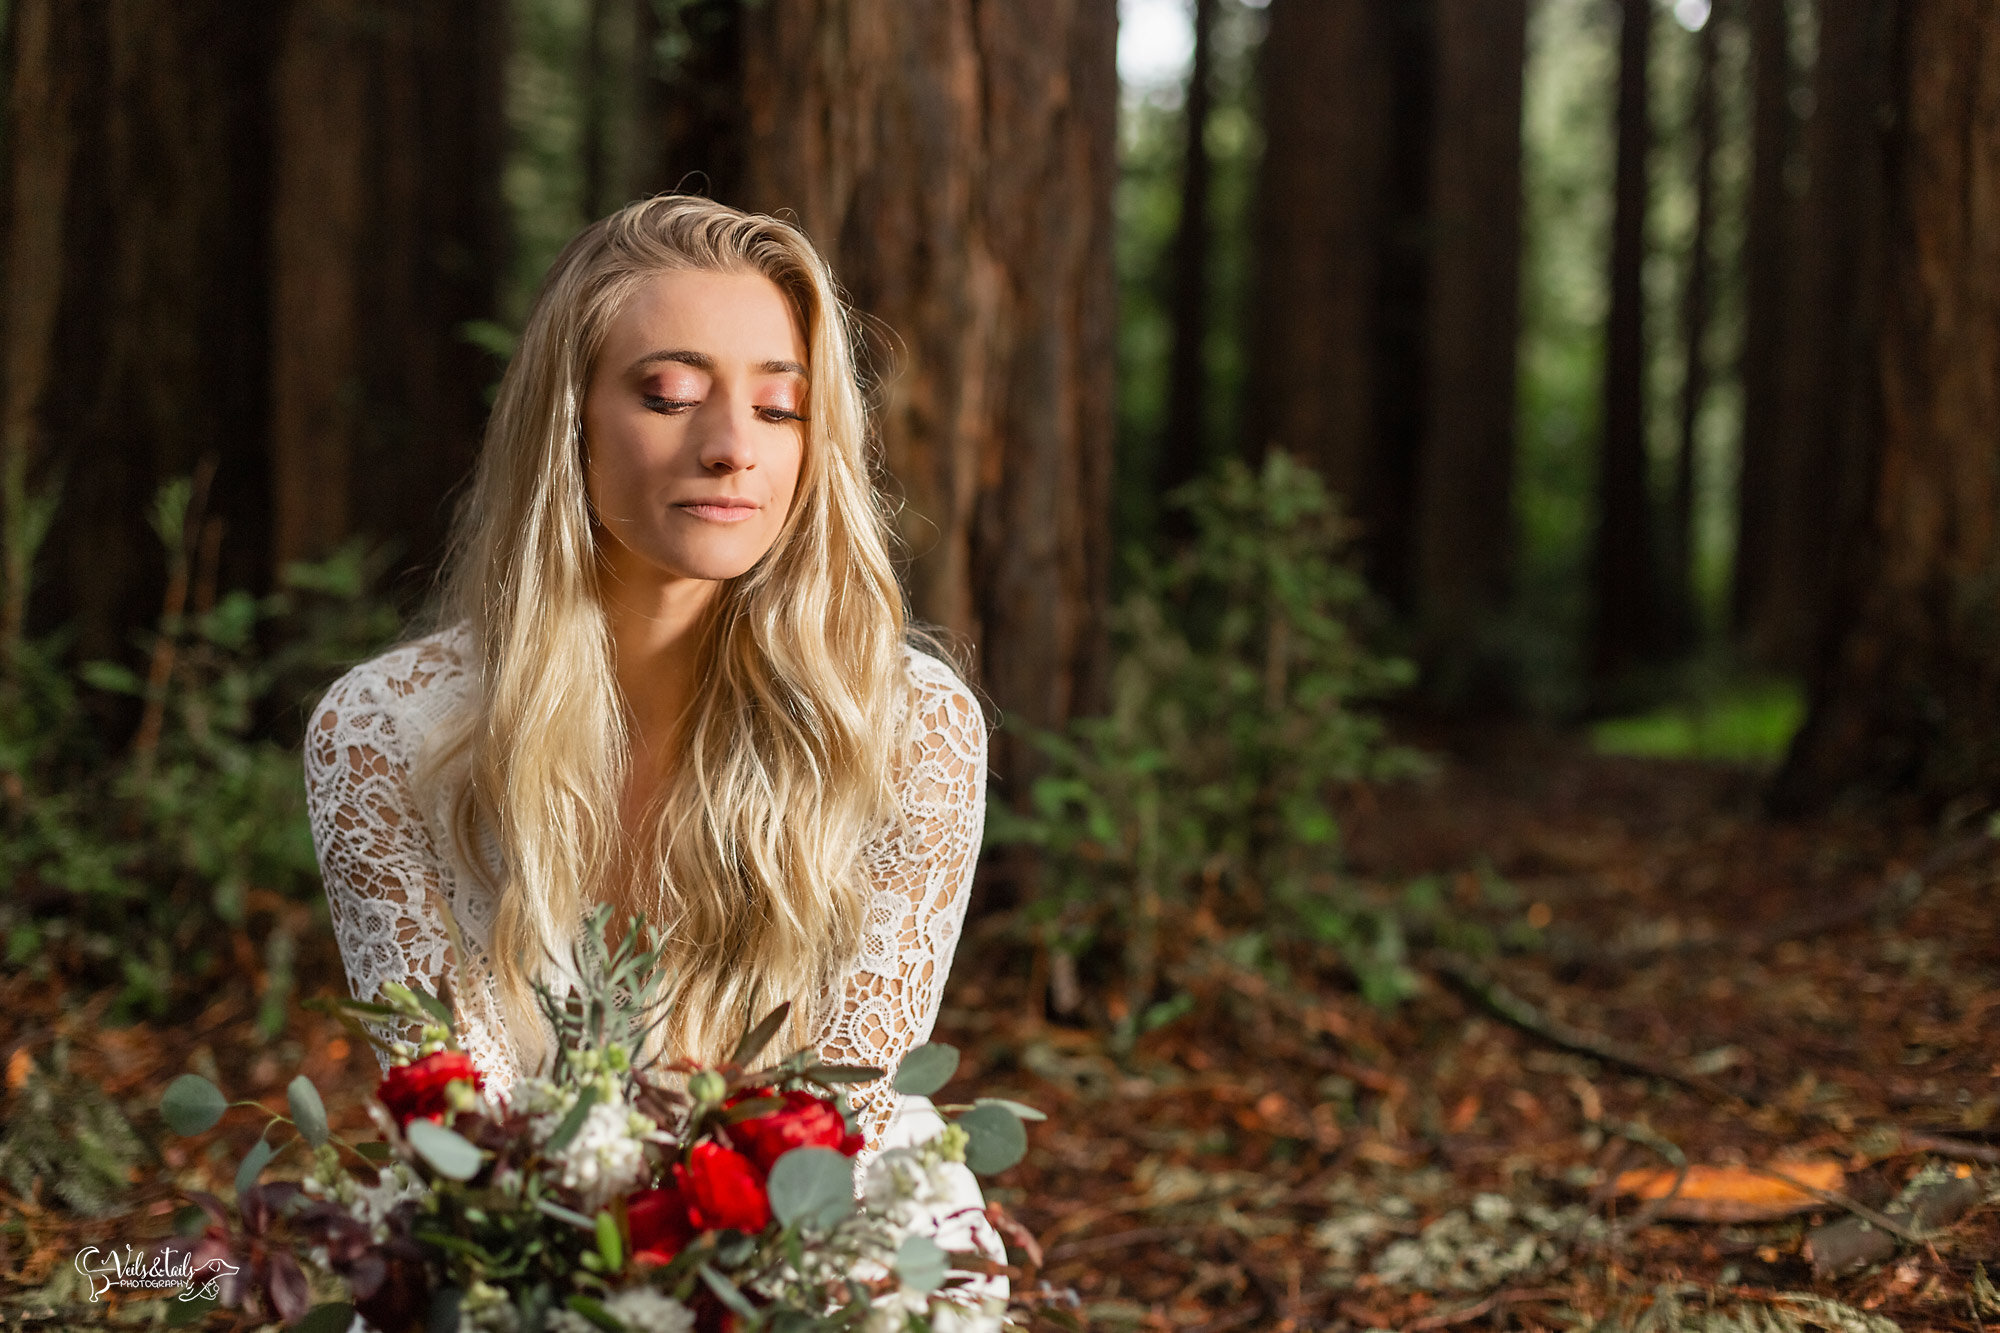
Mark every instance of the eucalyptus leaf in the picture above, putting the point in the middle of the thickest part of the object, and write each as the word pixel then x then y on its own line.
pixel 595 1312
pixel 610 1246
pixel 254 1162
pixel 811 1185
pixel 433 1006
pixel 448 1151
pixel 308 1111
pixel 1020 1109
pixel 836 1074
pixel 726 1291
pixel 921 1263
pixel 572 1123
pixel 926 1069
pixel 996 1138
pixel 757 1038
pixel 192 1104
pixel 330 1317
pixel 445 1312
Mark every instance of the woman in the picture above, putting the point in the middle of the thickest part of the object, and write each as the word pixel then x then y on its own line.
pixel 673 676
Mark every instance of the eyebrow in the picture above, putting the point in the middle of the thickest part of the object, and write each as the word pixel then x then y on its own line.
pixel 703 361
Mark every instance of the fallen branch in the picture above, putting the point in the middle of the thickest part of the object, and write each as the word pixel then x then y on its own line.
pixel 1485 1307
pixel 1481 986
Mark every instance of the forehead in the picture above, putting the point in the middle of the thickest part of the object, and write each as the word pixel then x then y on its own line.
pixel 732 316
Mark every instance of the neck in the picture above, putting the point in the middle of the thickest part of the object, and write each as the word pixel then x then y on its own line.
pixel 656 621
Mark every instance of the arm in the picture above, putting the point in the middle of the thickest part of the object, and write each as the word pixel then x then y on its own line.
pixel 375 855
pixel 919 884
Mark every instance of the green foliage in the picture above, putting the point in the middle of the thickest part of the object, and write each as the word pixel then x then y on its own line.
pixel 63 1131
pixel 1751 723
pixel 147 803
pixel 1237 668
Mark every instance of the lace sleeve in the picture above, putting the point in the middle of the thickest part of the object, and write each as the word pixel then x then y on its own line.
pixel 920 882
pixel 375 854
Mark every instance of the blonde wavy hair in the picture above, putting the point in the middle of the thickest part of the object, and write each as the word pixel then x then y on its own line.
pixel 751 872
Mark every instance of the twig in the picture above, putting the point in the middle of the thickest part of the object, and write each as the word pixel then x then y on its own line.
pixel 1484 1307
pixel 1119 1240
pixel 1482 987
pixel 1839 1200
pixel 1985 1154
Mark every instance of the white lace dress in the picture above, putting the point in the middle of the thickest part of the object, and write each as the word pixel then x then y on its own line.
pixel 385 875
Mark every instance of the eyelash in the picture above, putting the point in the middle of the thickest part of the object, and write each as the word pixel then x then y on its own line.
pixel 673 406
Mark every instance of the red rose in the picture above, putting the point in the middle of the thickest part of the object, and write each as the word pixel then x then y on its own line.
pixel 804 1121
pixel 659 1224
pixel 417 1090
pixel 724 1190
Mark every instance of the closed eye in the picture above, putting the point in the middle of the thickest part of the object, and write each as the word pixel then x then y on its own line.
pixel 777 415
pixel 668 406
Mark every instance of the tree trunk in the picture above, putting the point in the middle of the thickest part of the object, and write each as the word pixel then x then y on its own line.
pixel 1679 565
pixel 1819 459
pixel 1767 266
pixel 1909 694
pixel 1183 452
pixel 956 160
pixel 1465 513
pixel 1336 346
pixel 135 328
pixel 387 236
pixel 1626 627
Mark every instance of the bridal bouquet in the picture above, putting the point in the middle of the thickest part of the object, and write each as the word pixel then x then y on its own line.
pixel 603 1195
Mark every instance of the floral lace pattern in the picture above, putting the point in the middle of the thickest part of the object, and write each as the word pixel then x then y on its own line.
pixel 385 877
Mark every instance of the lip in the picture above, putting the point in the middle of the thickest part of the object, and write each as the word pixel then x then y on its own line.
pixel 720 508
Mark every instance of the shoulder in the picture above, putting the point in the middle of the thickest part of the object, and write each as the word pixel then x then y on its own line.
pixel 389 701
pixel 942 705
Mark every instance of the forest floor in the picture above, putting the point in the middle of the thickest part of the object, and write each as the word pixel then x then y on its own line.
pixel 1819 1000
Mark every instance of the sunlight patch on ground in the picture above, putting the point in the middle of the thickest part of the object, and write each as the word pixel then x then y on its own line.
pixel 1749 723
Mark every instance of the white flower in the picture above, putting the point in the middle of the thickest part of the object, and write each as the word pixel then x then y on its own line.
pixel 605 1159
pixel 643 1310
pixel 487 1309
pixel 987 1316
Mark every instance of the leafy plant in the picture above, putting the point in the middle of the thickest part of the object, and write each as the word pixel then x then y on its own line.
pixel 63 1132
pixel 1238 666
pixel 122 856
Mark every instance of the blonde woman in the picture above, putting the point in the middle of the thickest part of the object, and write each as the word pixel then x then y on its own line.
pixel 673 674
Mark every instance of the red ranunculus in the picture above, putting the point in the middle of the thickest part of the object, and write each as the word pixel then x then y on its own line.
pixel 417 1090
pixel 659 1223
pixel 804 1121
pixel 724 1190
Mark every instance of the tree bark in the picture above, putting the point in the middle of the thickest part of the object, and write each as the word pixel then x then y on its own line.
pixel 134 327
pixel 1767 266
pixel 1626 626
pixel 1820 448
pixel 1183 450
pixel 1683 622
pixel 956 161
pixel 1908 697
pixel 387 236
pixel 1464 522
pixel 1336 347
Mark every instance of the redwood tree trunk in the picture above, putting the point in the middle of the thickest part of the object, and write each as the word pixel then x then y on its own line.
pixel 956 160
pixel 1336 342
pixel 1683 622
pixel 134 321
pixel 1909 694
pixel 1818 462
pixel 1626 625
pixel 1183 452
pixel 387 237
pixel 1464 513
pixel 1767 265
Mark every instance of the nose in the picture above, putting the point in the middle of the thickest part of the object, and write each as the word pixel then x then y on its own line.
pixel 724 441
